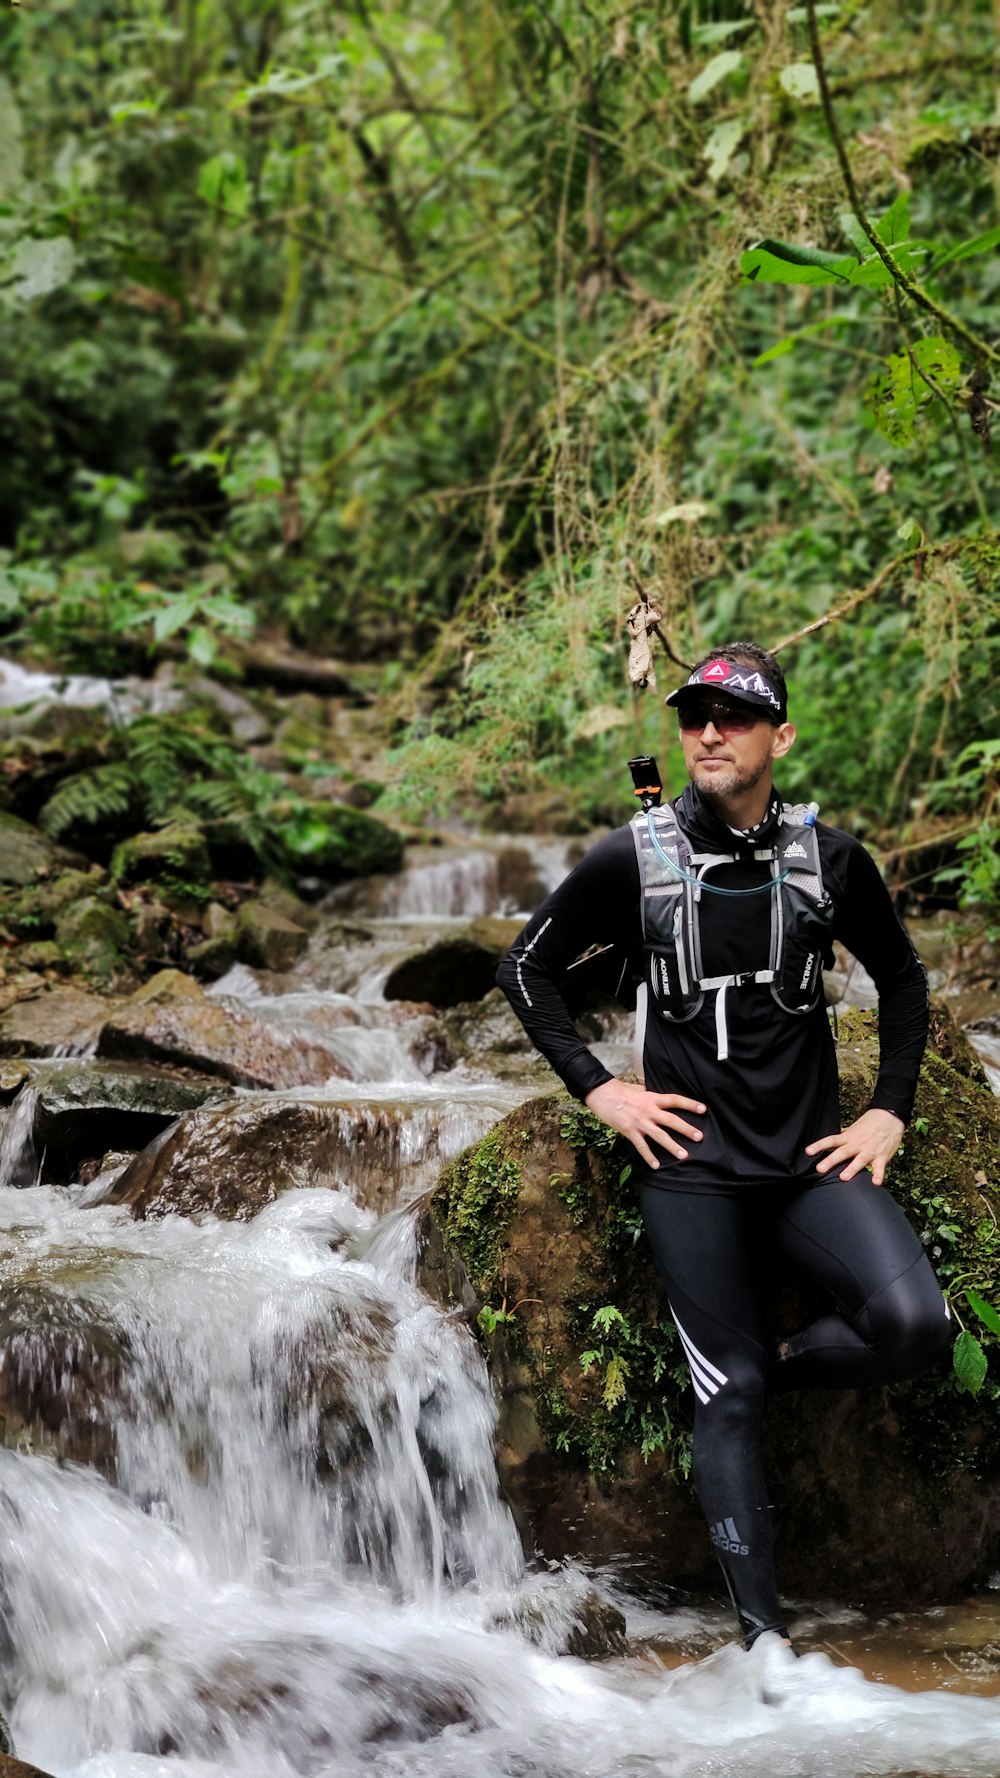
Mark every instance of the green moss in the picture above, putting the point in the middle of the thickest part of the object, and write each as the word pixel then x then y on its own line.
pixel 474 1202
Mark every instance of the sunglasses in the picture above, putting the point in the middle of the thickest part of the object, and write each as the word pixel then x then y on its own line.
pixel 729 719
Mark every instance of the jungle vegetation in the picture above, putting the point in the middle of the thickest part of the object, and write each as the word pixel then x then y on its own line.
pixel 440 334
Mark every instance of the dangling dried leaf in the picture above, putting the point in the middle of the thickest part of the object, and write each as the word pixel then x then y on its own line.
pixel 641 620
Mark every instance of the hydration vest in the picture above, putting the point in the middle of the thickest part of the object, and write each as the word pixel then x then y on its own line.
pixel 672 876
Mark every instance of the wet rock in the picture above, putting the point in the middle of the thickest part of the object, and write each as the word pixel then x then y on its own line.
pixel 170 856
pixel 94 939
pixel 571 1620
pixel 26 854
pixel 216 1038
pixel 886 1496
pixel 60 1367
pixel 86 1108
pixel 212 958
pixel 229 1161
pixel 54 1021
pixel 112 1164
pixel 449 971
pixel 166 986
pixel 266 939
pixel 12 1078
pixel 518 882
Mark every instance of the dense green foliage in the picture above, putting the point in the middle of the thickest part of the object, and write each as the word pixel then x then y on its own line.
pixel 438 333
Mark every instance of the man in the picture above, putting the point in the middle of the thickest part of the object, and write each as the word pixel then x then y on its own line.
pixel 733 901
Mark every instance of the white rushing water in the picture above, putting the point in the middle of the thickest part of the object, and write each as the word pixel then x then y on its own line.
pixel 300 1565
pixel 291 1559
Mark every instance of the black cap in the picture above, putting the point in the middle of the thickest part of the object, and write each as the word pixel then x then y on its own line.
pixel 748 685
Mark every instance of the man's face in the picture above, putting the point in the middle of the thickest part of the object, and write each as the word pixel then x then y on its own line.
pixel 727 747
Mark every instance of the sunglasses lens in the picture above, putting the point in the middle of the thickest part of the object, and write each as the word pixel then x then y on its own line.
pixel 728 722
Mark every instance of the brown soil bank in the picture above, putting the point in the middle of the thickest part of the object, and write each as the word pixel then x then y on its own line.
pixel 883 1496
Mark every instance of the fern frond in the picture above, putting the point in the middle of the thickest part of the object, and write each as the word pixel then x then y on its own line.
pixel 88 799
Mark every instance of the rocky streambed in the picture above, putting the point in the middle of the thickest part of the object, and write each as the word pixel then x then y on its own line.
pixel 291 1251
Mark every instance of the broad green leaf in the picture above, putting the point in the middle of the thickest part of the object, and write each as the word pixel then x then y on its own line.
pixel 894 226
pixel 776 262
pixel 854 233
pixel 800 81
pixel 202 646
pixel 173 617
pixel 871 274
pixel 801 333
pixel 38 268
pixel 986 1312
pixel 722 145
pixel 966 249
pixel 725 63
pixel 900 395
pixel 969 1361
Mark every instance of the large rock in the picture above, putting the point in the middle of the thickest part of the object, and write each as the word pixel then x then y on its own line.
pixel 450 971
pixel 889 1496
pixel 85 1109
pixel 94 939
pixel 26 855
pixel 61 1364
pixel 229 1161
pixel 172 856
pixel 267 939
pixel 52 1022
pixel 215 1037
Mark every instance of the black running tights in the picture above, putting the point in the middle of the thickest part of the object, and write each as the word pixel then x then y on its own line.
pixel 888 1321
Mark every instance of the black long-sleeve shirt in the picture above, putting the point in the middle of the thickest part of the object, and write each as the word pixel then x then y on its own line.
pixel 777 1089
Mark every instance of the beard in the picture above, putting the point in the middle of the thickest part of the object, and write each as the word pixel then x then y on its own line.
pixel 729 779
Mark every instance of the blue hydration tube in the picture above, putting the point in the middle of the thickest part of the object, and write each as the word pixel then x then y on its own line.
pixel 715 888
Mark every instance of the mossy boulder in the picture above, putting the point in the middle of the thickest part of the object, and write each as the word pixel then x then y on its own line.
pixel 94 939
pixel 175 857
pixel 32 912
pixel 335 842
pixel 267 939
pixel 890 1496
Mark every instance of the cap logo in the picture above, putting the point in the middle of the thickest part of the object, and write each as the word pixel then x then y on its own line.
pixel 715 670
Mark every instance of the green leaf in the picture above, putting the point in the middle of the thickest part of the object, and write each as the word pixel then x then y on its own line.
pixel 800 81
pixel 722 145
pixel 173 617
pixel 894 227
pixel 969 1361
pixel 223 184
pixel 777 262
pixel 606 1317
pixel 900 396
pixel 724 29
pixel 966 249
pixel 985 1311
pixel 725 63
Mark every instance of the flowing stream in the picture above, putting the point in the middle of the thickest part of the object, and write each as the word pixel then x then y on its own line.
pixel 290 1557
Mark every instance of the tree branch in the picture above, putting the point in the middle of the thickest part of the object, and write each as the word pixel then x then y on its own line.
pixel 914 291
